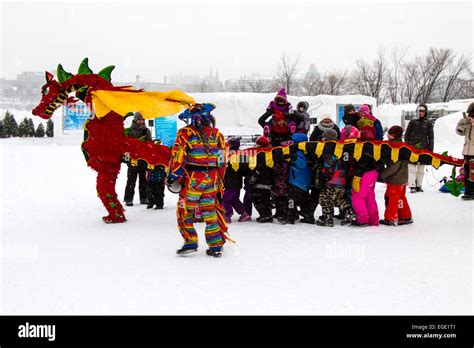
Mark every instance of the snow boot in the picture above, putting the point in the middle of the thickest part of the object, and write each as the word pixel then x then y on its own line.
pixel 263 219
pixel 405 221
pixel 129 204
pixel 358 224
pixel 244 217
pixel 215 251
pixel 388 222
pixel 282 220
pixel 325 221
pixel 187 249
pixel 158 207
pixel 149 206
pixel 308 220
pixel 467 197
pixel 349 217
pixel 413 190
pixel 419 189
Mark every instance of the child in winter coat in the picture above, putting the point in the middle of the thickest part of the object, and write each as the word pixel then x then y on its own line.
pixel 367 119
pixel 233 185
pixel 395 175
pixel 332 181
pixel 300 182
pixel 155 187
pixel 262 181
pixel 302 117
pixel 363 185
pixel 280 127
pixel 325 123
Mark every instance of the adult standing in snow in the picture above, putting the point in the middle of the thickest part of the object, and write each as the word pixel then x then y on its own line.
pixel 198 163
pixel 465 127
pixel 139 130
pixel 419 134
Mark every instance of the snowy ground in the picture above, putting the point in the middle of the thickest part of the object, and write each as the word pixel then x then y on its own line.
pixel 59 258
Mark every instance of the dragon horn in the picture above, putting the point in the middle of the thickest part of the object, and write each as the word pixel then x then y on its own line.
pixel 84 67
pixel 63 75
pixel 105 72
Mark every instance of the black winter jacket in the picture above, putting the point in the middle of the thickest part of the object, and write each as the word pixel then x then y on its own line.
pixel 420 134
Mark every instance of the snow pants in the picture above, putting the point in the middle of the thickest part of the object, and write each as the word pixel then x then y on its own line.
pixel 364 203
pixel 416 173
pixel 248 196
pixel 155 193
pixel 331 197
pixel 231 201
pixel 297 198
pixel 396 204
pixel 261 201
pixel 132 174
pixel 200 190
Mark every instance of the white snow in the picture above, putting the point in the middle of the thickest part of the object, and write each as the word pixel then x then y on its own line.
pixel 58 257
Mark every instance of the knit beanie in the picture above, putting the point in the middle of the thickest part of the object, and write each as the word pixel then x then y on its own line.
pixel 396 131
pixel 329 134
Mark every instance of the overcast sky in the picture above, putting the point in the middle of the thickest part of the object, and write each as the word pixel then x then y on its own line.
pixel 237 37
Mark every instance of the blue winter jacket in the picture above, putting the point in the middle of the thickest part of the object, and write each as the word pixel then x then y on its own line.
pixel 300 173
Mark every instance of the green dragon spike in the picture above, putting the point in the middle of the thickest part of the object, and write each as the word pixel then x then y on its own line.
pixel 62 74
pixel 105 72
pixel 84 67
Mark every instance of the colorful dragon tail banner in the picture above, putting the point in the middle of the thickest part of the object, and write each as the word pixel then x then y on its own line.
pixel 105 142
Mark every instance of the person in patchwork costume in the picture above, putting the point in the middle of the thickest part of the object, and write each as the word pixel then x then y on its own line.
pixel 198 164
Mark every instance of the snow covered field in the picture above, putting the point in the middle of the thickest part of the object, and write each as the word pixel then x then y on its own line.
pixel 58 257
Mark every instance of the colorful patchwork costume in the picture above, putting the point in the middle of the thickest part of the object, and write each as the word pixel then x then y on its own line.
pixel 198 163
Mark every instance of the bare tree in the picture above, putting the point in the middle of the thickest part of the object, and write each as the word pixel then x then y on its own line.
pixel 370 78
pixel 335 82
pixel 411 81
pixel 394 74
pixel 450 84
pixel 201 86
pixel 242 84
pixel 311 83
pixel 286 72
pixel 256 86
pixel 431 68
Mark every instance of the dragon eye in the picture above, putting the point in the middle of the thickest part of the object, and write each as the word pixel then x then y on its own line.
pixel 45 90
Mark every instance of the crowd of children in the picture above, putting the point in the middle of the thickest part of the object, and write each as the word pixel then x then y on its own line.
pixel 296 187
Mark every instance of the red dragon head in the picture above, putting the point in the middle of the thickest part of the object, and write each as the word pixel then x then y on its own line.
pixel 55 93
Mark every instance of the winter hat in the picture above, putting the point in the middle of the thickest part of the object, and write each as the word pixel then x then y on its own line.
pixel 299 137
pixel 367 133
pixel 349 132
pixel 303 104
pixel 396 131
pixel 349 107
pixel 199 114
pixel 329 134
pixel 470 110
pixel 234 143
pixel 263 141
pixel 281 95
pixel 326 122
pixel 364 110
pixel 422 107
pixel 138 116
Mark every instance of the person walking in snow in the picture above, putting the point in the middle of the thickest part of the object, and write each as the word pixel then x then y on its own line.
pixel 395 175
pixel 198 164
pixel 233 185
pixel 139 130
pixel 363 185
pixel 419 134
pixel 465 127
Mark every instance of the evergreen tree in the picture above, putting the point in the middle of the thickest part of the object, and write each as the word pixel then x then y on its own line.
pixel 11 127
pixel 39 131
pixel 31 128
pixel 49 128
pixel 24 128
pixel 3 130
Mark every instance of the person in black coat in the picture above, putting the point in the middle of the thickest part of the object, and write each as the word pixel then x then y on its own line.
pixel 137 130
pixel 419 134
pixel 325 123
pixel 351 116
